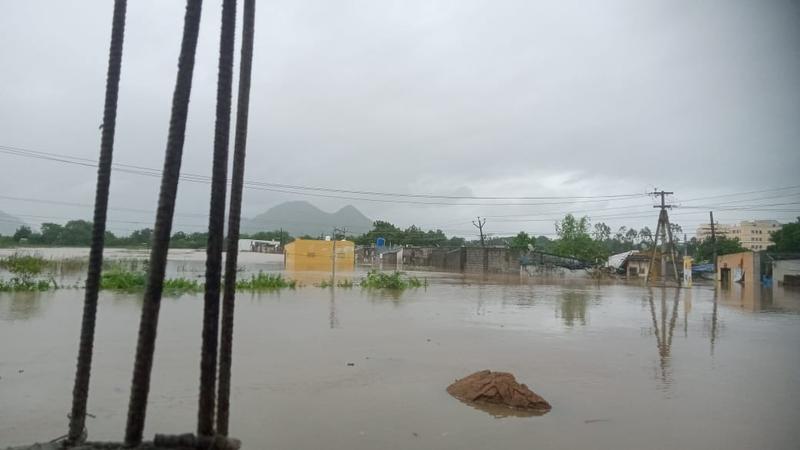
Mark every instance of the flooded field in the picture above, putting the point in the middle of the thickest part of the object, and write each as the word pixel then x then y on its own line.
pixel 625 367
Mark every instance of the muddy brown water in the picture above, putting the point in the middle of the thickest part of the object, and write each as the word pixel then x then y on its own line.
pixel 624 367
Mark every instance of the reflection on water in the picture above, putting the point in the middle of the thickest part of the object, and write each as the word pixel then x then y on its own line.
pixel 714 321
pixel 316 277
pixel 664 331
pixel 500 411
pixel 20 305
pixel 333 320
pixel 363 369
pixel 573 306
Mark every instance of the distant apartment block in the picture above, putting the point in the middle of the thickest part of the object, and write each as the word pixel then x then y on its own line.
pixel 703 231
pixel 754 235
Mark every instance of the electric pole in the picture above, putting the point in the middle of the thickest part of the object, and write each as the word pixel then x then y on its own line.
pixel 479 225
pixel 713 242
pixel 333 254
pixel 685 246
pixel 664 231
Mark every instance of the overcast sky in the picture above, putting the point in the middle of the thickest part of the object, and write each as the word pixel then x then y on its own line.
pixel 474 98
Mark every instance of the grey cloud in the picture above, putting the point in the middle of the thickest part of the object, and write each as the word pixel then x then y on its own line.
pixel 491 98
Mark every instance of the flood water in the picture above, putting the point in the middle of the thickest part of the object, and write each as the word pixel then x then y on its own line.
pixel 625 367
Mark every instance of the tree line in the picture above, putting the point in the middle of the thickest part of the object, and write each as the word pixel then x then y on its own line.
pixel 576 238
pixel 78 233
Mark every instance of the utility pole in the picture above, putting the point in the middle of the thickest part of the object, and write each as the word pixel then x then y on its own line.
pixel 713 243
pixel 333 254
pixel 485 257
pixel 479 225
pixel 685 246
pixel 687 276
pixel 664 231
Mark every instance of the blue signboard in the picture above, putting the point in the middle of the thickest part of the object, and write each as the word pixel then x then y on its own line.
pixel 380 242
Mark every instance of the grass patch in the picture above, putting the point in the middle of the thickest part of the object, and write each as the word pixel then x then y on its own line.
pixel 25 268
pixel 393 280
pixel 129 281
pixel 120 280
pixel 265 282
pixel 20 263
pixel 67 264
pixel 326 283
pixel 181 285
pixel 125 265
pixel 27 284
pixel 127 275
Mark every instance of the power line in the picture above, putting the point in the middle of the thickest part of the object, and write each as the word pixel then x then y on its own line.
pixel 784 188
pixel 19 151
pixel 637 206
pixel 85 205
pixel 146 171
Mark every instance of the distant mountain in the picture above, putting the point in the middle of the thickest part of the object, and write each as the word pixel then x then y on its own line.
pixel 300 218
pixel 9 224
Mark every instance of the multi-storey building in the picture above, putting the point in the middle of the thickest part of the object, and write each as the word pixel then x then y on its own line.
pixel 753 235
pixel 704 231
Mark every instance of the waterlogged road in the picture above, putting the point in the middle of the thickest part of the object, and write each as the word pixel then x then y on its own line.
pixel 623 366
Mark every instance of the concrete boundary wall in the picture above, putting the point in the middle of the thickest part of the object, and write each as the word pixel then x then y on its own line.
pixel 463 259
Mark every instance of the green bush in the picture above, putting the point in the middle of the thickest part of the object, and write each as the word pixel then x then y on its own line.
pixel 27 284
pixel 24 264
pixel 130 281
pixel 25 268
pixel 265 282
pixel 394 280
pixel 120 280
pixel 181 285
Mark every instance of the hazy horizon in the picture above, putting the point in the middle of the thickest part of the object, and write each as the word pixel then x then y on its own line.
pixel 452 99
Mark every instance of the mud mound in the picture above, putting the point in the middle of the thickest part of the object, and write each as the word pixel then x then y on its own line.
pixel 497 388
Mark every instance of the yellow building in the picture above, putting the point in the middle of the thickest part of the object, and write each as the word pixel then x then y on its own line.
pixel 753 235
pixel 316 255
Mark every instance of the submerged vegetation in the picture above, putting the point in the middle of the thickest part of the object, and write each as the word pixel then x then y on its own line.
pixel 35 264
pixel 345 283
pixel 24 270
pixel 35 273
pixel 20 263
pixel 130 281
pixel 27 284
pixel 394 281
pixel 265 282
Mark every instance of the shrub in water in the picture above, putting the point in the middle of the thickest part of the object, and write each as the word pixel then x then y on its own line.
pixel 27 284
pixel 25 265
pixel 120 280
pixel 394 280
pixel 264 282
